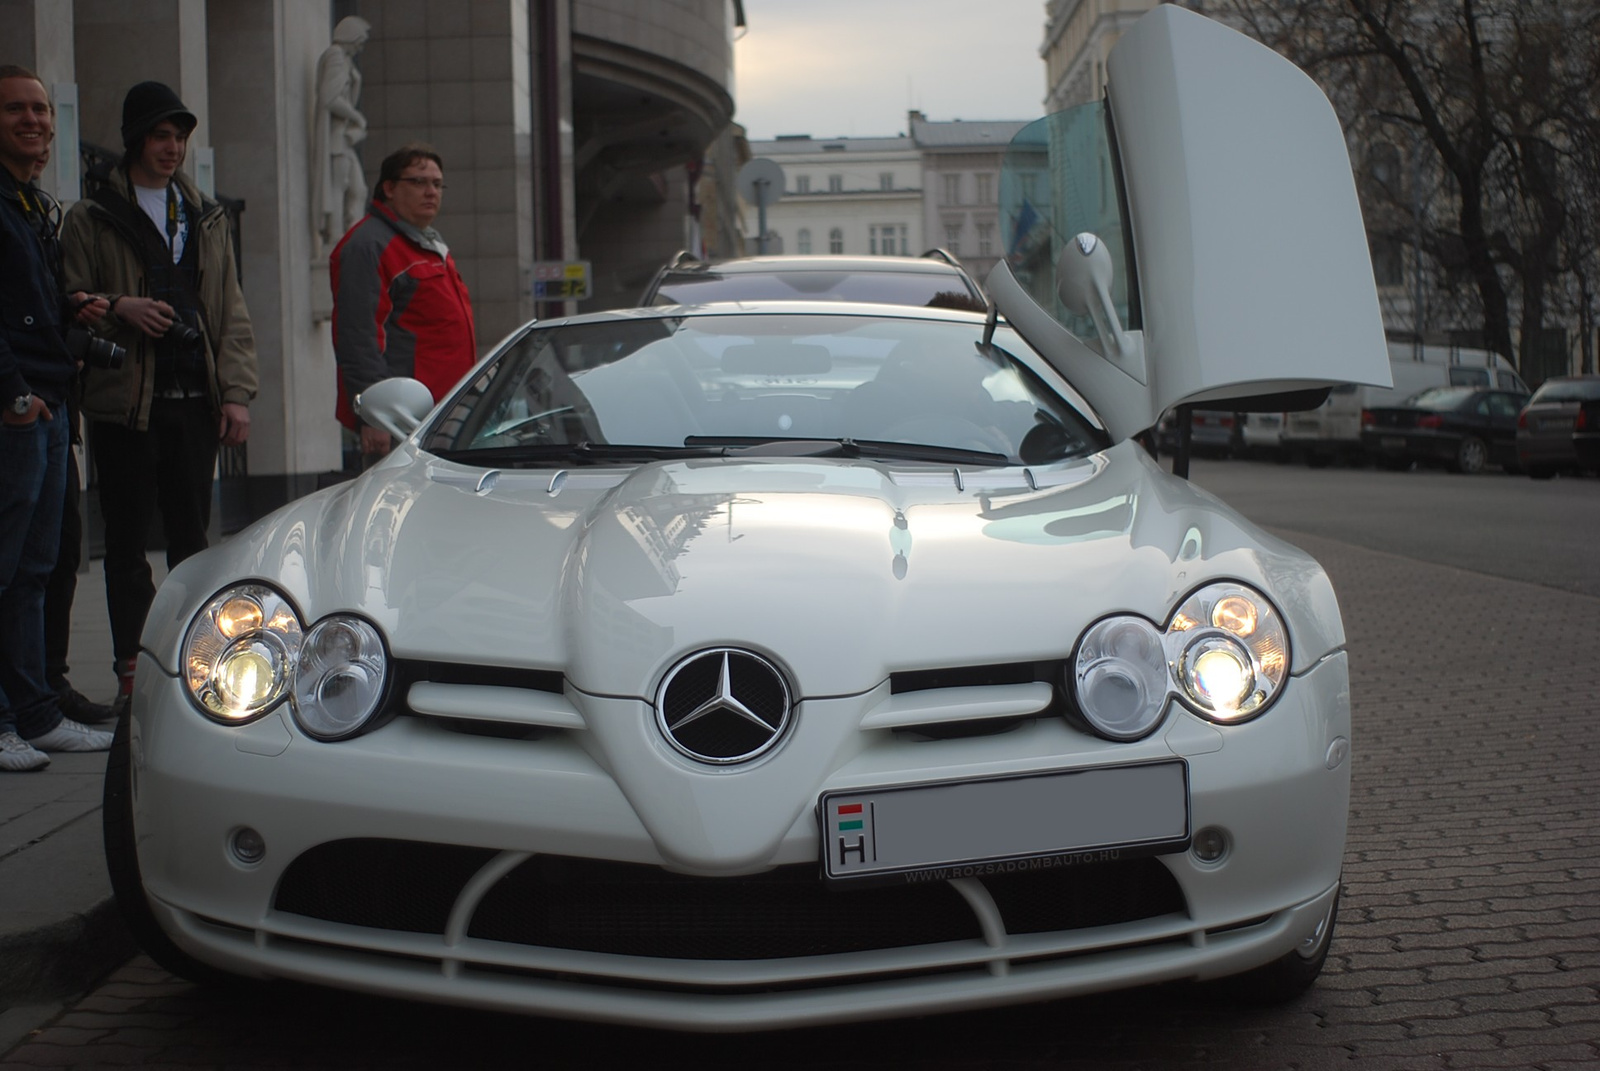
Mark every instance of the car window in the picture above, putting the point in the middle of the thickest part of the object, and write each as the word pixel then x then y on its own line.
pixel 1567 390
pixel 935 289
pixel 1469 377
pixel 1509 381
pixel 659 382
pixel 1058 180
pixel 1439 399
pixel 1504 405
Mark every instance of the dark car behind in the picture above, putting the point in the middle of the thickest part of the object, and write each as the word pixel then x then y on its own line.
pixel 1461 428
pixel 1586 435
pixel 1546 428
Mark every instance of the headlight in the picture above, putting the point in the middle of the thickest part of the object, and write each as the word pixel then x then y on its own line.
pixel 1224 654
pixel 341 677
pixel 246 652
pixel 1121 677
pixel 238 658
pixel 1232 652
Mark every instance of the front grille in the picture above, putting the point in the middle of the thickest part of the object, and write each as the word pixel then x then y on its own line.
pixel 384 884
pixel 631 909
pixel 645 911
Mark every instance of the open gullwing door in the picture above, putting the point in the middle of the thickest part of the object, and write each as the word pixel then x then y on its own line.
pixel 1193 237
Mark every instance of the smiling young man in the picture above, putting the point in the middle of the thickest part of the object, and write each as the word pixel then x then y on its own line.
pixel 163 254
pixel 400 307
pixel 35 376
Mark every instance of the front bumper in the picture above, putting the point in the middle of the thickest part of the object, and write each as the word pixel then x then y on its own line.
pixel 1278 786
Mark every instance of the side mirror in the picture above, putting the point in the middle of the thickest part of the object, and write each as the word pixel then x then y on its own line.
pixel 1084 274
pixel 397 405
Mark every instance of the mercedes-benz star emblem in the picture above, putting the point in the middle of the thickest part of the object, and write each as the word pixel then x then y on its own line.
pixel 723 706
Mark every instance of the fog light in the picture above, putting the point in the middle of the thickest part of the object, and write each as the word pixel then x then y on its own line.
pixel 1210 844
pixel 247 846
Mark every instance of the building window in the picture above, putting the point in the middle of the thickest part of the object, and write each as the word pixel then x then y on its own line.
pixel 952 238
pixel 889 239
pixel 835 183
pixel 836 241
pixel 985 239
pixel 985 189
pixel 1388 261
pixel 952 189
pixel 886 180
pixel 802 184
pixel 803 240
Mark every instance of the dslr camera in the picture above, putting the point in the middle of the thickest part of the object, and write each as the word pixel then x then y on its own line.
pixel 94 351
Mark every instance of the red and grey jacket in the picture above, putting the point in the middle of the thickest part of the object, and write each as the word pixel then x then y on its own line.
pixel 399 309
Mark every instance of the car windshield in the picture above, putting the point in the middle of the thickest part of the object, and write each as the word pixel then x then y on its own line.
pixel 1567 390
pixel 598 390
pixel 942 289
pixel 1439 399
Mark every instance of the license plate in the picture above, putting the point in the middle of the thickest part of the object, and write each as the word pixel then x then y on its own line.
pixel 1007 824
pixel 1394 444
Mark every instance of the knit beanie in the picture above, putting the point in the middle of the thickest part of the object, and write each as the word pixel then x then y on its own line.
pixel 147 104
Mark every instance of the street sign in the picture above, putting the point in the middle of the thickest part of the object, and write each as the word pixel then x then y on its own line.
pixel 560 280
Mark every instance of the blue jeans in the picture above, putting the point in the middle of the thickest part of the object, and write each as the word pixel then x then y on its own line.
pixel 33 481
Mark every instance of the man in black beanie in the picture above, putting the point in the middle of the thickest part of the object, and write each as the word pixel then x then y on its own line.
pixel 163 254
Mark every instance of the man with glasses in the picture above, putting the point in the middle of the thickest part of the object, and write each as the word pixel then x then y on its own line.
pixel 36 371
pixel 400 307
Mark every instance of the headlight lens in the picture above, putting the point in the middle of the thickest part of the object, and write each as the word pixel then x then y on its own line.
pixel 239 655
pixel 1121 677
pixel 1232 652
pixel 341 677
pixel 1224 654
pixel 246 652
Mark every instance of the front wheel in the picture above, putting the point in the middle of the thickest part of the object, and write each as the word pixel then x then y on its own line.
pixel 1291 974
pixel 1471 455
pixel 122 864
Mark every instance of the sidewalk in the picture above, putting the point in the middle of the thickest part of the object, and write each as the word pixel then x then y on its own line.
pixel 59 928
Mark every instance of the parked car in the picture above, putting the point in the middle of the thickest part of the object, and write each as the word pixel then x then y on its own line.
pixel 1212 433
pixel 733 666
pixel 1462 428
pixel 1332 431
pixel 1545 427
pixel 934 279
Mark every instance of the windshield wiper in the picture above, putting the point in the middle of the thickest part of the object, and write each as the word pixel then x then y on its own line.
pixel 871 449
pixel 579 453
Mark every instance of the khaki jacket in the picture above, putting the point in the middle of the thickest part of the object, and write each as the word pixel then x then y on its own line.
pixel 97 259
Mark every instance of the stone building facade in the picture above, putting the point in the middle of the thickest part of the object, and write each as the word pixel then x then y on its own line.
pixel 570 130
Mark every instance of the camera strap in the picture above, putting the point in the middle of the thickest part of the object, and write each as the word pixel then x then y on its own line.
pixel 154 249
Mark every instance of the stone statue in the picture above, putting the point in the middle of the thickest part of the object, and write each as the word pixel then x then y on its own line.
pixel 338 187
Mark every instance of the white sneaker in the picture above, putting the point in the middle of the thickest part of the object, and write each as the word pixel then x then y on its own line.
pixel 18 756
pixel 70 736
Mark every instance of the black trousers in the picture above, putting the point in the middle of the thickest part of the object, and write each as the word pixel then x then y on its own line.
pixel 62 586
pixel 167 470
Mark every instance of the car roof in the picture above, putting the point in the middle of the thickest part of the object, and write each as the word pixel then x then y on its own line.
pixel 822 262
pixel 768 308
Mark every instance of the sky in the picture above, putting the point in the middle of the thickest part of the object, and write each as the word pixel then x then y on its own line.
pixel 853 68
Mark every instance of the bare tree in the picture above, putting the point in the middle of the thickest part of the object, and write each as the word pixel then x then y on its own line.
pixel 1494 103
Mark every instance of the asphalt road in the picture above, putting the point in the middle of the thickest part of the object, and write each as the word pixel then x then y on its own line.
pixel 1545 532
pixel 1467 935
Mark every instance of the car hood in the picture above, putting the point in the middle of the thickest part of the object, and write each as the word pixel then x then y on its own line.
pixel 843 571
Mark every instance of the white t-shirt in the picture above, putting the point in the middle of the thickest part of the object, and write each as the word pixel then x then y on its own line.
pixel 154 203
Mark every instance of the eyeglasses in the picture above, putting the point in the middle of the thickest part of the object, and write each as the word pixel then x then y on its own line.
pixel 422 183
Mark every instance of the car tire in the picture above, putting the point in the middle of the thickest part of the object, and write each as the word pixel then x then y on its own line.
pixel 1472 454
pixel 1288 976
pixel 1540 472
pixel 122 864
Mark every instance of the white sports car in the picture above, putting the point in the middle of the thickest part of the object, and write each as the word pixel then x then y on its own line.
pixel 742 666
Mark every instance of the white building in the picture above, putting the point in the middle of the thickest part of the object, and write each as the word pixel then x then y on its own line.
pixel 937 186
pixel 843 195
